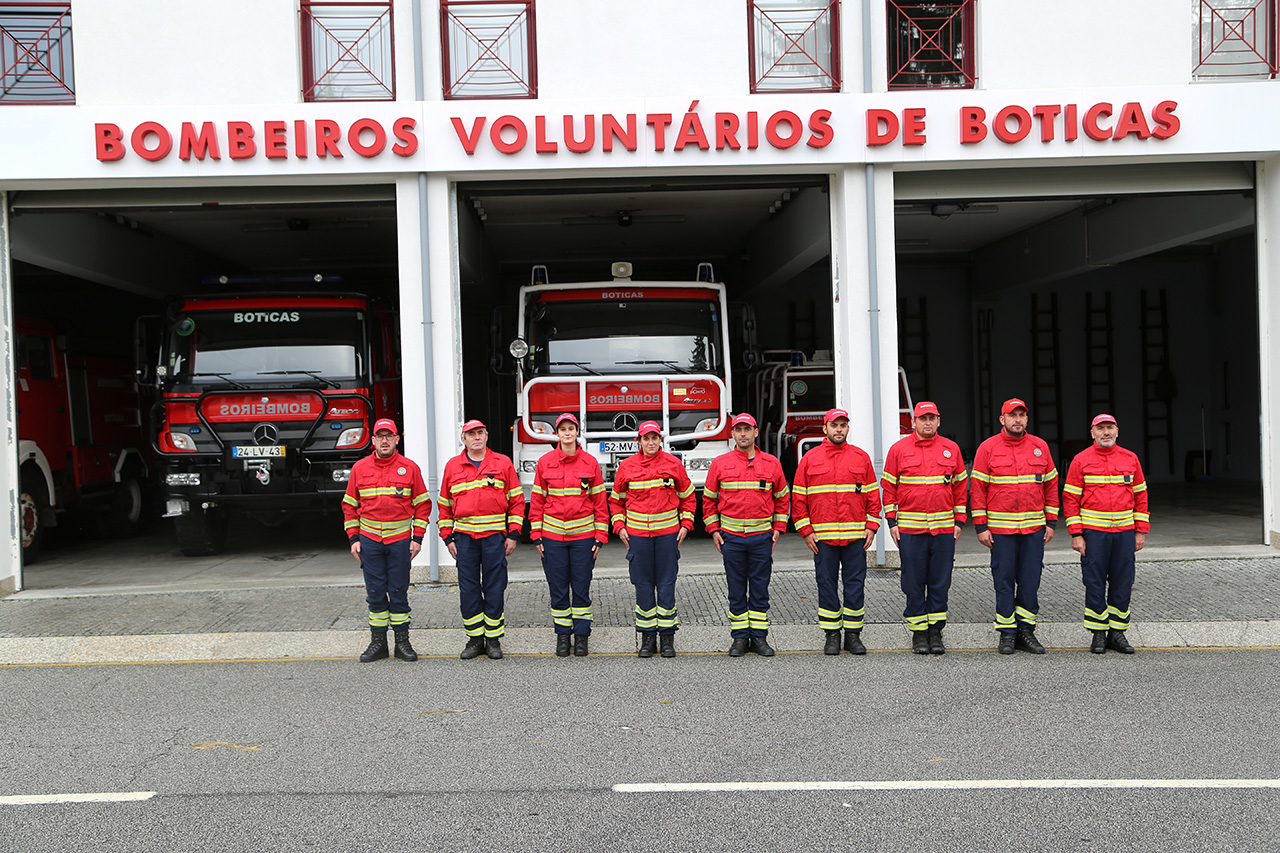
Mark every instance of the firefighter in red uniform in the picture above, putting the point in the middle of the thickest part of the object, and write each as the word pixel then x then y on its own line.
pixel 1105 503
pixel 481 513
pixel 744 507
pixel 836 507
pixel 651 509
pixel 1013 502
pixel 569 522
pixel 385 512
pixel 924 490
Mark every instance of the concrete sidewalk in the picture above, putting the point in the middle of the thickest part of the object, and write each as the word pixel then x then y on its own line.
pixel 1180 603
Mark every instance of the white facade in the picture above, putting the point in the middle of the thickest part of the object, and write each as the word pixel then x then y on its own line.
pixel 176 61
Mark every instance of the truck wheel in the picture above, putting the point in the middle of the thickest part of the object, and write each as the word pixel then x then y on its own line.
pixel 201 533
pixel 34 508
pixel 128 505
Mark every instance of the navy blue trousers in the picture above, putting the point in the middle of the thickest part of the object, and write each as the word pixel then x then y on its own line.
pixel 1108 572
pixel 748 565
pixel 482 581
pixel 654 562
pixel 568 567
pixel 832 616
pixel 927 561
pixel 1017 559
pixel 386 582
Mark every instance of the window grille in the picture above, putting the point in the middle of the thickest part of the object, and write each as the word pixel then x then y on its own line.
pixel 794 45
pixel 35 54
pixel 489 49
pixel 930 45
pixel 348 51
pixel 1235 39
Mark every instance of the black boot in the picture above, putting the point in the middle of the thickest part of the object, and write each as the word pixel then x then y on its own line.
pixel 1026 640
pixel 648 644
pixel 936 646
pixel 1117 641
pixel 473 648
pixel 562 645
pixel 493 648
pixel 668 644
pixel 1006 644
pixel 832 645
pixel 739 646
pixel 404 649
pixel 761 646
pixel 1099 644
pixel 377 647
pixel 580 646
pixel 920 642
pixel 853 642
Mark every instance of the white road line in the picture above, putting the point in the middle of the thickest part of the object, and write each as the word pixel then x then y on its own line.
pixel 107 797
pixel 939 785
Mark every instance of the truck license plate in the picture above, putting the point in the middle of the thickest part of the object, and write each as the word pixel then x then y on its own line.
pixel 619 447
pixel 254 452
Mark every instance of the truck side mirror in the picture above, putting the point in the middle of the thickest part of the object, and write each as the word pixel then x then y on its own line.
pixel 146 348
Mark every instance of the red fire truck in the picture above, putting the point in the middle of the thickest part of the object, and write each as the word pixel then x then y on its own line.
pixel 81 442
pixel 618 353
pixel 265 402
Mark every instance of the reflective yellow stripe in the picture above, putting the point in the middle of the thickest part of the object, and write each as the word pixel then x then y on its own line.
pixel 745 526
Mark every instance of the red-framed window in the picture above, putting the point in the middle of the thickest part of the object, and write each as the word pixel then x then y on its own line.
pixel 348 51
pixel 931 45
pixel 489 49
pixel 35 54
pixel 1235 39
pixel 794 45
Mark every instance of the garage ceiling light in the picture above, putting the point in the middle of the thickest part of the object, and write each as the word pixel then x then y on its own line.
pixel 625 218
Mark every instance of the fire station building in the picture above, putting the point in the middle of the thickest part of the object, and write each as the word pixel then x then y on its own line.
pixel 1072 203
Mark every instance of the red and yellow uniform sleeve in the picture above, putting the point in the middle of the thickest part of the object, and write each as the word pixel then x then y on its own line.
pixel 600 502
pixel 959 488
pixel 1141 510
pixel 445 501
pixel 688 500
pixel 1051 508
pixel 537 503
pixel 711 498
pixel 800 499
pixel 978 486
pixel 781 502
pixel 1072 492
pixel 515 500
pixel 618 500
pixel 889 486
pixel 351 510
pixel 421 502
pixel 871 497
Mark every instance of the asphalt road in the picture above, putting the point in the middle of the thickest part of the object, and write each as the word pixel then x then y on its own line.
pixel 524 754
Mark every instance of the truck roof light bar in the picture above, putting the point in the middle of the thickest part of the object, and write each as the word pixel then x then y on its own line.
pixel 706 273
pixel 539 274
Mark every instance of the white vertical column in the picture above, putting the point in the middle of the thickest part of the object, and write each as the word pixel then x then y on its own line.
pixel 1268 248
pixel 854 315
pixel 10 496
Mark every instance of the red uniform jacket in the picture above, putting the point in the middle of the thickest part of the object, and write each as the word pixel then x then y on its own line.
pixel 1106 491
pixel 651 496
pixel 745 496
pixel 480 500
pixel 924 485
pixel 1015 485
pixel 568 498
pixel 386 500
pixel 834 494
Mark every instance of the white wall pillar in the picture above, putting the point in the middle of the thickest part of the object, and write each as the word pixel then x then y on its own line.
pixel 1268 247
pixel 11 549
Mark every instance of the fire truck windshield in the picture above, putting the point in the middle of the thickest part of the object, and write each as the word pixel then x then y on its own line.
pixel 243 349
pixel 641 336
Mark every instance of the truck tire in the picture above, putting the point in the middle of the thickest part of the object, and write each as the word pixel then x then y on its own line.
pixel 201 533
pixel 34 509
pixel 128 508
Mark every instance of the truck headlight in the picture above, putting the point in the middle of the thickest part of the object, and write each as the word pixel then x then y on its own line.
pixel 518 348
pixel 698 464
pixel 351 437
pixel 541 428
pixel 706 424
pixel 528 466
pixel 342 475
pixel 182 441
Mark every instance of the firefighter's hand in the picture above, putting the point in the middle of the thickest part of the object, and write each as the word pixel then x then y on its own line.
pixel 718 539
pixel 595 549
pixel 956 536
pixel 626 537
pixel 538 545
pixel 1048 534
pixel 1077 544
pixel 812 541
pixel 776 535
pixel 1139 541
pixel 508 546
pixel 680 537
pixel 415 548
pixel 871 540
pixel 893 531
pixel 453 549
pixel 985 537
pixel 355 548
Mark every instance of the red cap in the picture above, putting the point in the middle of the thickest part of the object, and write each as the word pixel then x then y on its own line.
pixel 925 408
pixel 1103 419
pixel 473 424
pixel 648 426
pixel 1011 404
pixel 743 418
pixel 567 416
pixel 833 414
pixel 387 424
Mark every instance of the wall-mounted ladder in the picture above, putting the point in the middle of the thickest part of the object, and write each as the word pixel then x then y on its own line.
pixel 986 386
pixel 1099 365
pixel 1046 373
pixel 913 344
pixel 1158 385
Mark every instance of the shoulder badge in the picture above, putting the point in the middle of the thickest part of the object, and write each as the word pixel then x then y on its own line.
pixel 946 453
pixel 402 470
pixel 1037 452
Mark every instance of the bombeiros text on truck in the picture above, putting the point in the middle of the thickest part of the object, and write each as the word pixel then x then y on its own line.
pixel 265 401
